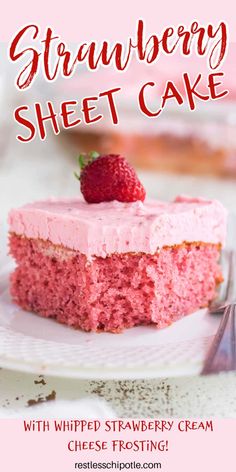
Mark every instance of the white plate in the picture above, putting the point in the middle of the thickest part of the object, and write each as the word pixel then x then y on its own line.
pixel 29 343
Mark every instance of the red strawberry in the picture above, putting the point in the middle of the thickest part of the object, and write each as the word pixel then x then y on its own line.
pixel 109 177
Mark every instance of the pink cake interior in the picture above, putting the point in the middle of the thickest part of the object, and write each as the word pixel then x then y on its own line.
pixel 116 292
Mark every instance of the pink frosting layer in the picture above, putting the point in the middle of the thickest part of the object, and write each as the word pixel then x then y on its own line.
pixel 114 227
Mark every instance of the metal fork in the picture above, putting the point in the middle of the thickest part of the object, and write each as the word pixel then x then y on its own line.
pixel 221 356
pixel 226 294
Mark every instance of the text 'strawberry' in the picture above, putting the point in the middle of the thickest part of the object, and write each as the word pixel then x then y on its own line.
pixel 109 177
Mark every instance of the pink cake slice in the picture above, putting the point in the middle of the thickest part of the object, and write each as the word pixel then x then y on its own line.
pixel 114 265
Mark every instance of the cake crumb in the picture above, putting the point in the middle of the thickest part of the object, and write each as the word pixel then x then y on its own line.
pixel 51 396
pixel 41 381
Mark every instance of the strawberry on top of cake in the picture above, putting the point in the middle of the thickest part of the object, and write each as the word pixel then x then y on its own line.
pixel 116 259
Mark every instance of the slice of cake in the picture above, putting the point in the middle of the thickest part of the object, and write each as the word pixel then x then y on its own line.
pixel 113 265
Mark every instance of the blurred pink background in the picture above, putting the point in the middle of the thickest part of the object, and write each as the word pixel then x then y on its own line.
pixel 76 19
